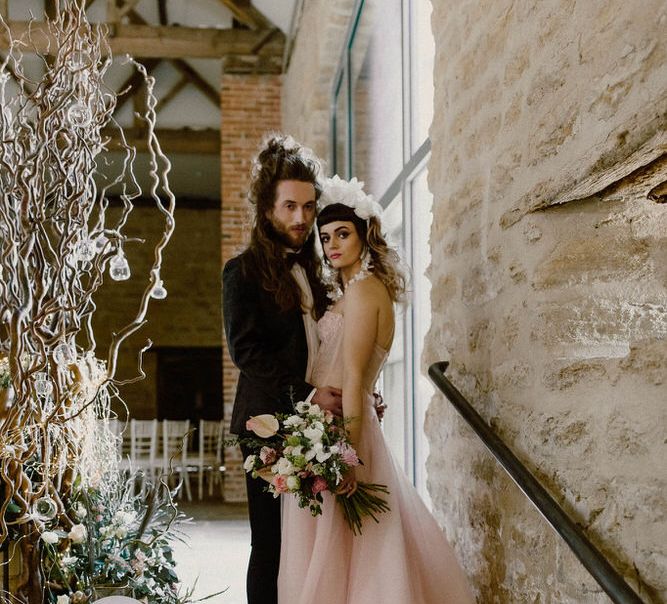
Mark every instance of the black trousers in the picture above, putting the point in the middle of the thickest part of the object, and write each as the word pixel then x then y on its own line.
pixel 264 511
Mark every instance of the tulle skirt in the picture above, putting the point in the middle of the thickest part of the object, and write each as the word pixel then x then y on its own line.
pixel 404 559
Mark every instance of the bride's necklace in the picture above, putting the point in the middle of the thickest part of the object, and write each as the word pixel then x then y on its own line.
pixel 337 293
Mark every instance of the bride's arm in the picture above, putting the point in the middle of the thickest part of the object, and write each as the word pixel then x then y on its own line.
pixel 359 335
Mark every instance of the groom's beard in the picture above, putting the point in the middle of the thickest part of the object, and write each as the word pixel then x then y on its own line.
pixel 288 236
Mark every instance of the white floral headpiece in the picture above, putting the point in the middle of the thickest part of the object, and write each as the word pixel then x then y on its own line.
pixel 349 193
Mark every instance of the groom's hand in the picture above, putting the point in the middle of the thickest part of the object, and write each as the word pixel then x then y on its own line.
pixel 329 398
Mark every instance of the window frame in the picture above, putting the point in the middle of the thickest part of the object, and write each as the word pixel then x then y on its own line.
pixel 402 184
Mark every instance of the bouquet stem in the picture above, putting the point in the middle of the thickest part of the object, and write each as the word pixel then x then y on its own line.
pixel 362 503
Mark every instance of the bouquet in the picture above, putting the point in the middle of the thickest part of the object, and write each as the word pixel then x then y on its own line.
pixel 307 454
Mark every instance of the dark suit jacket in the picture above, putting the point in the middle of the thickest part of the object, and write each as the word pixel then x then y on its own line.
pixel 267 345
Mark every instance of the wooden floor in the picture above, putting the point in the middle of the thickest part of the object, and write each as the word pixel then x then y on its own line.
pixel 216 555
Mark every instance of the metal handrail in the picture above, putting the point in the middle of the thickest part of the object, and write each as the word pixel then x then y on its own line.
pixel 596 564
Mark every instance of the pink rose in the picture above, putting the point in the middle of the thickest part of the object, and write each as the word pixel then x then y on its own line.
pixel 264 426
pixel 348 455
pixel 279 483
pixel 319 485
pixel 268 455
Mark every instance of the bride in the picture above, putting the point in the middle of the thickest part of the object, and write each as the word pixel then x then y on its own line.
pixel 403 559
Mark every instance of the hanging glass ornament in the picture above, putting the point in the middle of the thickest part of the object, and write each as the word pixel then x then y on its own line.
pixel 159 292
pixel 64 354
pixel 77 60
pixel 119 269
pixel 79 115
pixel 85 250
pixel 44 509
pixel 43 387
pixel 100 242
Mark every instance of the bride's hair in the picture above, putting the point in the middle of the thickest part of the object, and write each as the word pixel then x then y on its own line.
pixel 281 158
pixel 386 263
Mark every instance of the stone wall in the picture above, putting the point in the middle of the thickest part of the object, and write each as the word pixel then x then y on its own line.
pixel 549 286
pixel 306 96
pixel 250 107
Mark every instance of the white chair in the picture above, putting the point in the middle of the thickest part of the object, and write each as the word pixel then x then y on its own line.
pixel 175 435
pixel 143 446
pixel 210 455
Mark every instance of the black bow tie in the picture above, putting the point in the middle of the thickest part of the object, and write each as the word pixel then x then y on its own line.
pixel 299 257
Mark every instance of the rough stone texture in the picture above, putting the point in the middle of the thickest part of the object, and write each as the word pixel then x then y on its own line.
pixel 550 286
pixel 250 107
pixel 306 96
pixel 189 316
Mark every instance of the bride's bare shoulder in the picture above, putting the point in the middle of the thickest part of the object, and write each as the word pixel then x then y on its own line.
pixel 368 291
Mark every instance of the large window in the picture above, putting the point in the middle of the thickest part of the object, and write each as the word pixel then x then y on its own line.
pixel 382 107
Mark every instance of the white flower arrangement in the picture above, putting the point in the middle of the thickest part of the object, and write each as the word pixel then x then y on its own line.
pixel 350 193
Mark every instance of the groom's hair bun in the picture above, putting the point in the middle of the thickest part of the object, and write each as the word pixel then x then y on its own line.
pixel 280 158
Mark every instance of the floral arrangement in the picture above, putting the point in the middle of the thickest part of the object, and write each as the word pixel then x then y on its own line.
pixel 113 538
pixel 5 377
pixel 307 454
pixel 350 193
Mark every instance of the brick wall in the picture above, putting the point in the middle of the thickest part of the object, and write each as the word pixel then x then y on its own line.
pixel 250 108
pixel 189 316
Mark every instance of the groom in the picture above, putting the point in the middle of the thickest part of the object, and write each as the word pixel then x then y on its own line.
pixel 272 294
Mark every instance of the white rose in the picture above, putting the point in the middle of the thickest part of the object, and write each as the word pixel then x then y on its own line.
pixel 68 561
pixel 314 435
pixel 293 483
pixel 121 532
pixel 63 600
pixel 50 537
pixel 314 410
pixel 249 462
pixel 78 533
pixel 284 466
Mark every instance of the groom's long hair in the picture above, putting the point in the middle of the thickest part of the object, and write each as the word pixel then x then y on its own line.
pixel 281 158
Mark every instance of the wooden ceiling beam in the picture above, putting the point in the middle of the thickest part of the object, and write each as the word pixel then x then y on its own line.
pixel 166 42
pixel 172 93
pixel 184 67
pixel 171 140
pixel 246 13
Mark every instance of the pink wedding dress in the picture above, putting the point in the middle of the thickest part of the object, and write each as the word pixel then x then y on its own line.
pixel 405 559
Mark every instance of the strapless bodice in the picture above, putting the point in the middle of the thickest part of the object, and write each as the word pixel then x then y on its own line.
pixel 328 368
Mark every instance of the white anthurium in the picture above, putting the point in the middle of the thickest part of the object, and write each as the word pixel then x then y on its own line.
pixel 301 407
pixel 322 454
pixel 314 435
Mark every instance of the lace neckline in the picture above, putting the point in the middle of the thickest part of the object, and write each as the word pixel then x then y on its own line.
pixel 338 293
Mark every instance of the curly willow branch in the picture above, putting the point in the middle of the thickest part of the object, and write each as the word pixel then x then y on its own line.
pixel 56 245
